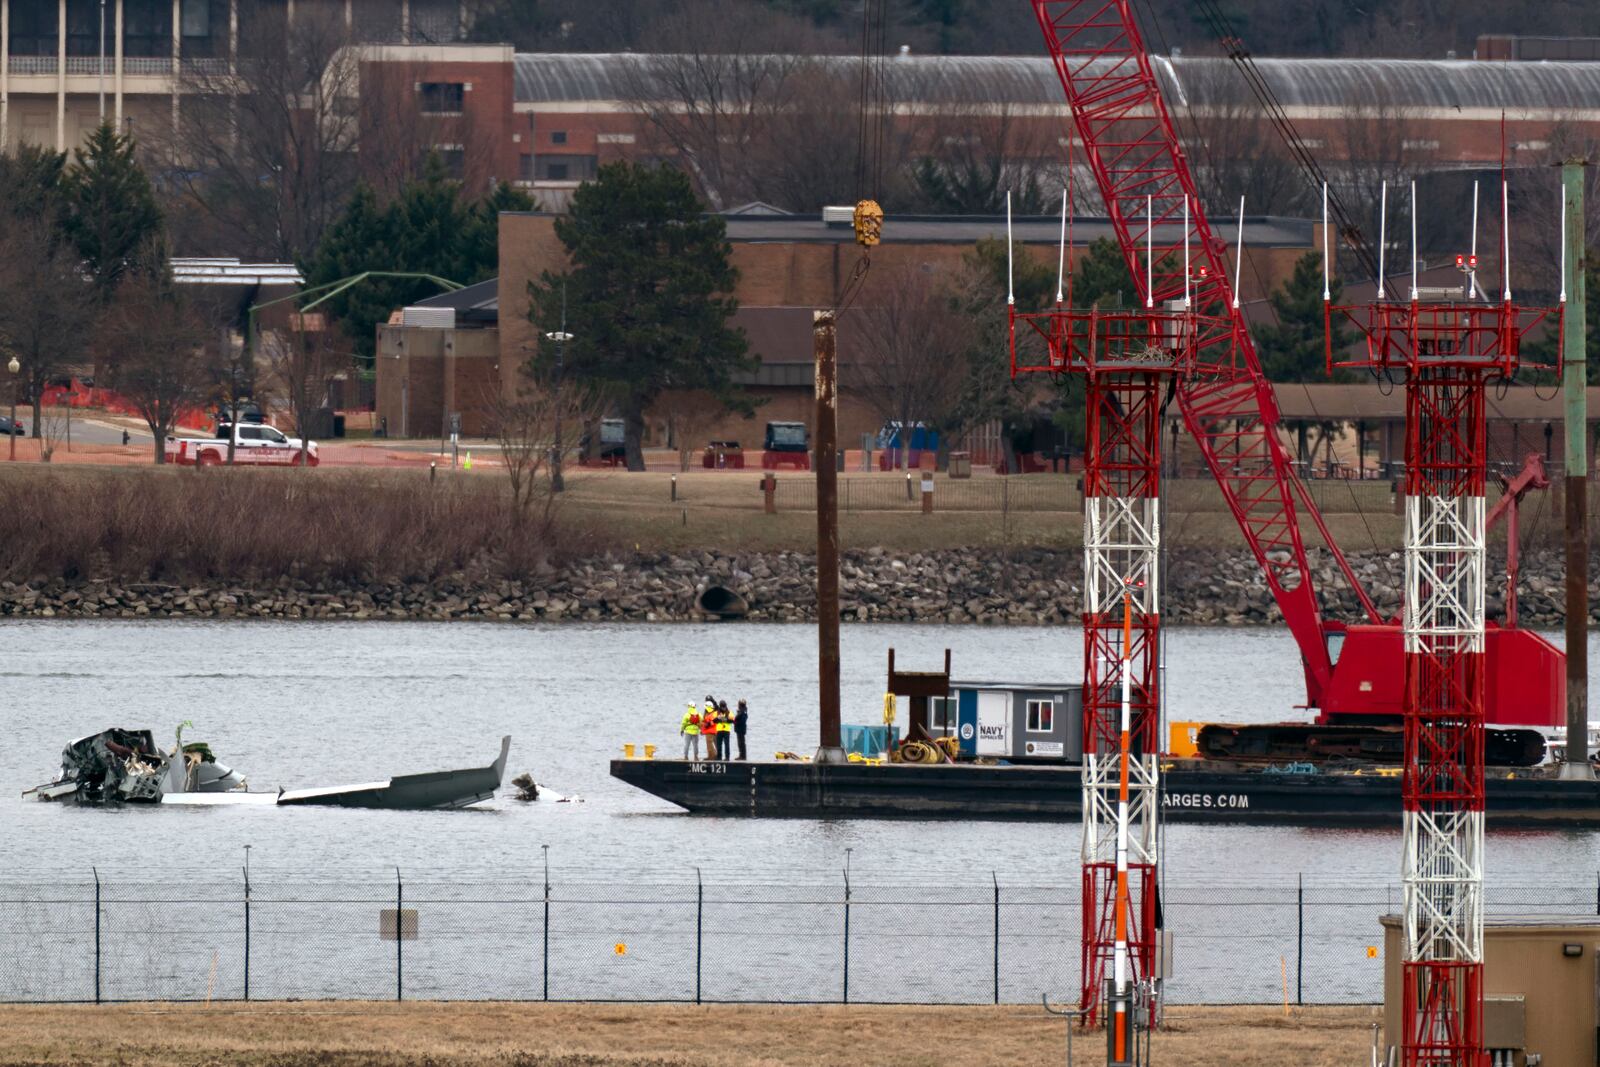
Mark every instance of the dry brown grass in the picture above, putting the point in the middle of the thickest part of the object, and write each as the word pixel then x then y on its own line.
pixel 189 524
pixel 183 525
pixel 648 1035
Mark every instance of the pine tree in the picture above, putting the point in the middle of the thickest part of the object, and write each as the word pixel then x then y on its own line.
pixel 428 229
pixel 30 182
pixel 648 293
pixel 109 210
pixel 1295 349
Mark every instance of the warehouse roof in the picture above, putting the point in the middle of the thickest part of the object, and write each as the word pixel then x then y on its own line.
pixel 1374 401
pixel 575 81
pixel 1260 231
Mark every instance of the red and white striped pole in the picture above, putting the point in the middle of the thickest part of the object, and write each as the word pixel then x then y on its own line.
pixel 1120 1051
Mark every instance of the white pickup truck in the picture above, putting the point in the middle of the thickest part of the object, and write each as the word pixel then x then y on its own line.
pixel 253 443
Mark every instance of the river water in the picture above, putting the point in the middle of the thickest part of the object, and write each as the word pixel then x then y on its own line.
pixel 309 703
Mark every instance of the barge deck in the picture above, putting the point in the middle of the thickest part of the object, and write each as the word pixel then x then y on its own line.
pixel 1191 792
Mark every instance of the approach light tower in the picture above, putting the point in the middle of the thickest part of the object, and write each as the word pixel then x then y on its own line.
pixel 1128 360
pixel 1446 345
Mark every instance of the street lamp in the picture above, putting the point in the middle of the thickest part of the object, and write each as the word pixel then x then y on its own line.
pixel 13 367
pixel 560 337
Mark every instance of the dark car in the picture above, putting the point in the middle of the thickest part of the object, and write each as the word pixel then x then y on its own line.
pixel 15 429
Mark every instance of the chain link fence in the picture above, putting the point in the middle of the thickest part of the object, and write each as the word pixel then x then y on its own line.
pixel 678 937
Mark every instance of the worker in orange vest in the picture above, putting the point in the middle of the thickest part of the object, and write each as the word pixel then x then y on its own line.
pixel 690 728
pixel 708 727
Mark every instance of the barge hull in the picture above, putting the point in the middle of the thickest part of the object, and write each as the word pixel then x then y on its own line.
pixel 1050 794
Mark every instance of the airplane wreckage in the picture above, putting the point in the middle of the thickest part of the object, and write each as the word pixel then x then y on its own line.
pixel 121 766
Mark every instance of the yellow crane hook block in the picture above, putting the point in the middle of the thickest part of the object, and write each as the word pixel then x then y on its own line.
pixel 868 222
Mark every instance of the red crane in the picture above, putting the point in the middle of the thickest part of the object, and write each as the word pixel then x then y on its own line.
pixel 1227 404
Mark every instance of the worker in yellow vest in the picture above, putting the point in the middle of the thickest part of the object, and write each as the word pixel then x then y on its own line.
pixel 724 730
pixel 690 728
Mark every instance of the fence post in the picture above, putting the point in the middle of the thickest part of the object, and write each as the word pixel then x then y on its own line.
pixel 96 934
pixel 996 879
pixel 699 918
pixel 399 936
pixel 247 933
pixel 1300 942
pixel 847 935
pixel 546 922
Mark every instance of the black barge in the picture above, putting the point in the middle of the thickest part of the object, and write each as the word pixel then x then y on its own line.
pixel 1192 791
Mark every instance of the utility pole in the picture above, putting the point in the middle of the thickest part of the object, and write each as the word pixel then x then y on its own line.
pixel 560 337
pixel 101 66
pixel 1574 378
pixel 824 338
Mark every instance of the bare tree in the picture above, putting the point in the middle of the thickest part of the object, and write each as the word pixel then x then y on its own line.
pixel 299 362
pixel 732 94
pixel 689 414
pixel 535 430
pixel 47 307
pixel 1385 145
pixel 269 145
pixel 906 346
pixel 155 343
pixel 1234 150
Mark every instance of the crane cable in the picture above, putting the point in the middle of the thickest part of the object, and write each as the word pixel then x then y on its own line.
pixel 872 99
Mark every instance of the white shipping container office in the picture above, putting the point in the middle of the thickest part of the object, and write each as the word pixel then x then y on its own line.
pixel 1017 721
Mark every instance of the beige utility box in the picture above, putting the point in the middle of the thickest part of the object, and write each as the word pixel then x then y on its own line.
pixel 1541 988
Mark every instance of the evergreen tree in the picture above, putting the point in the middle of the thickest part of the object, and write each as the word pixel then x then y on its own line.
pixel 30 182
pixel 109 210
pixel 648 293
pixel 428 229
pixel 1295 349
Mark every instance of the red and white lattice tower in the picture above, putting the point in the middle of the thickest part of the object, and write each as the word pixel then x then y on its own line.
pixel 1128 361
pixel 1445 351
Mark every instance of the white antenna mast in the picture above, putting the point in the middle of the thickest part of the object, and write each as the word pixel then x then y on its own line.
pixel 1061 264
pixel 1149 253
pixel 1505 238
pixel 1563 193
pixel 1383 233
pixel 1186 298
pixel 1413 240
pixel 1238 257
pixel 1472 259
pixel 1011 291
pixel 1327 293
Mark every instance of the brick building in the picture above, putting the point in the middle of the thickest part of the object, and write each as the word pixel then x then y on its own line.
pixel 788 265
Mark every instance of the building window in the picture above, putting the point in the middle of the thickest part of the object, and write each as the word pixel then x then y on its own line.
pixel 942 714
pixel 1041 716
pixel 614 138
pixel 525 167
pixel 33 29
pixel 443 98
pixel 549 168
pixel 454 160
pixel 147 28
pixel 558 136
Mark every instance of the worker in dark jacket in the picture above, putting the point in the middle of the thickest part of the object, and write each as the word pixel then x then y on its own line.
pixel 740 718
pixel 724 730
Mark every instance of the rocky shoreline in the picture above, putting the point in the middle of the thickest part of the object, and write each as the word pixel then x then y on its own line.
pixel 1030 587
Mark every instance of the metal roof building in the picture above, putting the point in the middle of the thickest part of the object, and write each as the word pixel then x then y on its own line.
pixel 1308 88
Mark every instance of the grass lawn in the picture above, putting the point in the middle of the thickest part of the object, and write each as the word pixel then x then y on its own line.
pixel 649 1035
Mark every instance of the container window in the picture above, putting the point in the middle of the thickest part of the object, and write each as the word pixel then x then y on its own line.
pixel 1041 716
pixel 942 714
